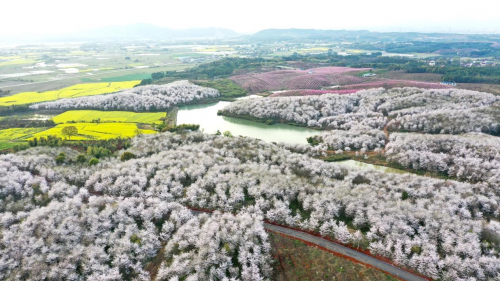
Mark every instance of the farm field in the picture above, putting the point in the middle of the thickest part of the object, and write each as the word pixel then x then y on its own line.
pixel 295 260
pixel 298 79
pixel 43 68
pixel 489 88
pixel 311 92
pixel 401 75
pixel 78 90
pixel 6 145
pixel 15 62
pixel 108 116
pixel 389 83
pixel 10 137
pixel 128 77
pixel 97 131
pixel 45 82
pixel 18 134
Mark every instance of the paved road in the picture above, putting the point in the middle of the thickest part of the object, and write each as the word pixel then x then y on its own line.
pixel 396 271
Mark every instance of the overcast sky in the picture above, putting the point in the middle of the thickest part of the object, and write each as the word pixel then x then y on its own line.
pixel 22 17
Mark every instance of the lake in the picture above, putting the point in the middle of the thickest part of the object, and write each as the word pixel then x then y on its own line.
pixel 206 116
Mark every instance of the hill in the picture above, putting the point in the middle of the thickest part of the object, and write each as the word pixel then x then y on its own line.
pixel 364 35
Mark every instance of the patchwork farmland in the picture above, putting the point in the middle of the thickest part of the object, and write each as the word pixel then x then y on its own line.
pixel 78 90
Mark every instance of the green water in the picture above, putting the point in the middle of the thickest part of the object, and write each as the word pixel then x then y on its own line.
pixel 365 166
pixel 206 116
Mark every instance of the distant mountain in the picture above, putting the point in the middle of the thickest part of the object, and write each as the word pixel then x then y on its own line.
pixel 149 31
pixel 294 33
pixel 360 35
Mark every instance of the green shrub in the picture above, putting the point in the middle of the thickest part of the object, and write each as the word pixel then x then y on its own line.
pixel 60 159
pixel 81 158
pixel 135 239
pixel 93 161
pixel 127 156
pixel 416 249
pixel 404 196
pixel 314 140
pixel 184 127
pixel 359 179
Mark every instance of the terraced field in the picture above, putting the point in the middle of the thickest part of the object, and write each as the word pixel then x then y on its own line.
pixel 78 90
pixel 97 131
pixel 108 116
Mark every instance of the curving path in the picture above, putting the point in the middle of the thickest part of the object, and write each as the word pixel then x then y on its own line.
pixel 366 259
pixel 332 246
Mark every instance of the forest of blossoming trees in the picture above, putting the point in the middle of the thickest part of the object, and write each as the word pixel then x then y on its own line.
pixel 410 109
pixel 128 218
pixel 110 220
pixel 455 131
pixel 142 98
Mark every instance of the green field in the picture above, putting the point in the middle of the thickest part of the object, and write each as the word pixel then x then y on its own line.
pixel 78 90
pixel 18 134
pixel 129 77
pixel 108 116
pixel 97 131
pixel 10 137
pixel 6 145
pixel 16 61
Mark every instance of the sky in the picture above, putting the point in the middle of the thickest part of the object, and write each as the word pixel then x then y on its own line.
pixel 28 17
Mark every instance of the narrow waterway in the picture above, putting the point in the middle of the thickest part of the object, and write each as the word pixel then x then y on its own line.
pixel 365 166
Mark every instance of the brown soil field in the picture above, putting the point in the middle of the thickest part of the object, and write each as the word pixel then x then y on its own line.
pixel 295 260
pixel 401 75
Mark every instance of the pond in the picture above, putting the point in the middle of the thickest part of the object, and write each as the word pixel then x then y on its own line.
pixel 365 166
pixel 206 116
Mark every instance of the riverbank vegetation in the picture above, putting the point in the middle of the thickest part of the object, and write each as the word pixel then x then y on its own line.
pixel 472 157
pixel 366 124
pixel 227 88
pixel 438 110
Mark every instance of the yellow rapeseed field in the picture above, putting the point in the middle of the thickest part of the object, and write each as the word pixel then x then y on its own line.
pixel 108 116
pixel 18 134
pixel 16 61
pixel 78 90
pixel 97 131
